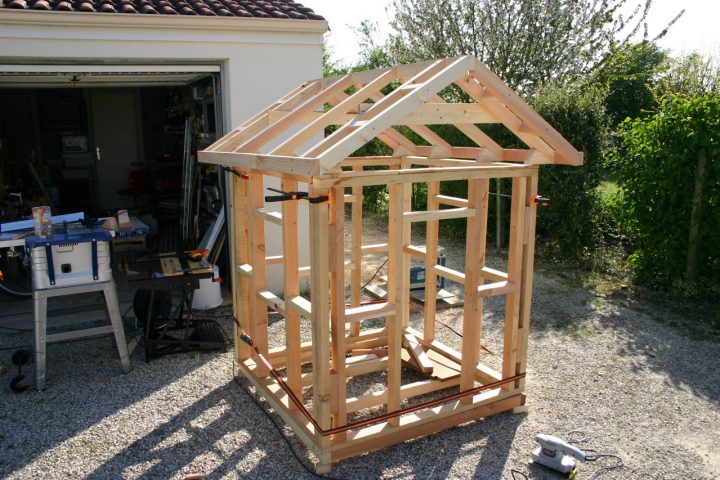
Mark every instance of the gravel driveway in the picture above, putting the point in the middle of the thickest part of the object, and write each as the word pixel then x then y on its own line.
pixel 636 387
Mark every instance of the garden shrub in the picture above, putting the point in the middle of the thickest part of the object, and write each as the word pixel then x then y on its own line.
pixel 656 167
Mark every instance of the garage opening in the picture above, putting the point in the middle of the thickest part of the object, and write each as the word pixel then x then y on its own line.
pixel 99 138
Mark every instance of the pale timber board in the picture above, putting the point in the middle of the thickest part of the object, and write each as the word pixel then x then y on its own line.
pixel 493 83
pixel 400 105
pixel 422 175
pixel 422 423
pixel 275 165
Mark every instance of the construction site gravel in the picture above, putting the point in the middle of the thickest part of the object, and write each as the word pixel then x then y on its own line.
pixel 635 386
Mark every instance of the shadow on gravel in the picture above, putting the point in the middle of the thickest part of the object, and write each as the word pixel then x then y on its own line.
pixel 646 340
pixel 220 434
pixel 85 385
pixel 433 457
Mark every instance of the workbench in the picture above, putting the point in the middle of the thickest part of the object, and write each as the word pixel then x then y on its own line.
pixel 180 332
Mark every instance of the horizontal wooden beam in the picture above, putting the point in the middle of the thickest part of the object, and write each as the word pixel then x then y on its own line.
pixel 415 250
pixel 449 273
pixel 496 288
pixel 423 175
pixel 371 338
pixel 493 275
pixel 268 215
pixel 409 390
pixel 354 366
pixel 448 113
pixel 274 260
pixel 366 312
pixel 446 214
pixel 302 305
pixel 245 270
pixel 452 201
pixel 272 301
pixel 374 248
pixel 299 168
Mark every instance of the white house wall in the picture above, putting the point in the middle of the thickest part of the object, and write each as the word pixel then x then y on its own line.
pixel 261 59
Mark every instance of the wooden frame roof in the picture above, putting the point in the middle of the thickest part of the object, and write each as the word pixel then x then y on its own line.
pixel 288 136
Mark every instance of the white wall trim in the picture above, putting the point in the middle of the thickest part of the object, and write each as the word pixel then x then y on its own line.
pixel 140 20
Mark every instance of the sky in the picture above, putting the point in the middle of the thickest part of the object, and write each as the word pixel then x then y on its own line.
pixel 697 30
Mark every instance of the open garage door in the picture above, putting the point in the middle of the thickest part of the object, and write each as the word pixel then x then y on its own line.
pixel 85 76
pixel 103 137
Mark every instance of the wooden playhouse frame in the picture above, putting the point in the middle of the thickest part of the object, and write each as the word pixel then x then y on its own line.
pixel 286 142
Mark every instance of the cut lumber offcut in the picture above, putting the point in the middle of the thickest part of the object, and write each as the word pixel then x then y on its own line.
pixel 418 353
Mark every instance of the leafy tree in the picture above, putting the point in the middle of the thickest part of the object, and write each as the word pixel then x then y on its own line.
pixel 630 75
pixel 528 43
pixel 691 75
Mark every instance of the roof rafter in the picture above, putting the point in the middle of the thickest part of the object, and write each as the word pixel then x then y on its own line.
pixel 274 139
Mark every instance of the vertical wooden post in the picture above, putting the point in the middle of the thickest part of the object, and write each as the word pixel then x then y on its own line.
pixel 515 266
pixel 432 228
pixel 356 249
pixel 526 284
pixel 691 273
pixel 405 240
pixel 478 193
pixel 337 310
pixel 239 255
pixel 499 214
pixel 256 230
pixel 398 294
pixel 291 288
pixel 320 318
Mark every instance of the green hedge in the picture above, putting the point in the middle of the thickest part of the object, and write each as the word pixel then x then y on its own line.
pixel 657 165
pixel 568 228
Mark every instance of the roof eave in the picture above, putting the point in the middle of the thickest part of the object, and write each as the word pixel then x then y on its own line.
pixel 123 20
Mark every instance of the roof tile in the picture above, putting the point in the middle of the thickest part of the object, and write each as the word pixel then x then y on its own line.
pixel 285 9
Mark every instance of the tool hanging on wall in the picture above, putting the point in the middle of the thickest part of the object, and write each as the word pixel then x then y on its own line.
pixel 285 196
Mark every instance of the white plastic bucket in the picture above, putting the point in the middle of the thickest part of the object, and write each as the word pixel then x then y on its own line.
pixel 208 294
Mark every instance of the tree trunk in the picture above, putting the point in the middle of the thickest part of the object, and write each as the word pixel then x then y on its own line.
pixel 691 272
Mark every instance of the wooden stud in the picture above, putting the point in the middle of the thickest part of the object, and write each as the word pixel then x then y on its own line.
pixel 356 249
pixel 528 256
pixel 320 316
pixel 397 291
pixel 256 231
pixel 478 193
pixel 291 286
pixel 239 256
pixel 431 247
pixel 336 242
pixel 515 256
